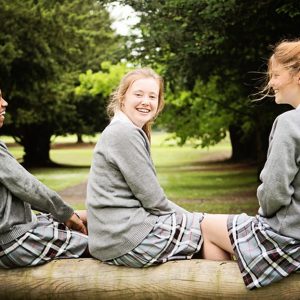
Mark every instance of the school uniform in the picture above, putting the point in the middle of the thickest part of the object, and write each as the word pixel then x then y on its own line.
pixel 131 221
pixel 267 246
pixel 27 239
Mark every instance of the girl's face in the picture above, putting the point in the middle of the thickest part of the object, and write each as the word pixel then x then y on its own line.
pixel 141 101
pixel 3 105
pixel 286 86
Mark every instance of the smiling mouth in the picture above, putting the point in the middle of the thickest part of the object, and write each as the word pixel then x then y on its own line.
pixel 2 113
pixel 143 110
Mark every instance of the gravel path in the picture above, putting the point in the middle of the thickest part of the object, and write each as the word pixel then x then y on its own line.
pixel 75 194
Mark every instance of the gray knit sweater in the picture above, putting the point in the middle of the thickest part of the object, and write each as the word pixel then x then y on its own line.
pixel 124 198
pixel 279 193
pixel 18 191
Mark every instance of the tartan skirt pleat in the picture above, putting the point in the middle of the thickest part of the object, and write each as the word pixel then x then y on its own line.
pixel 46 241
pixel 174 237
pixel 263 255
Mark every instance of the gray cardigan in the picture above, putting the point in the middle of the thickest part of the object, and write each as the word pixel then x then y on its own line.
pixel 18 191
pixel 124 198
pixel 279 193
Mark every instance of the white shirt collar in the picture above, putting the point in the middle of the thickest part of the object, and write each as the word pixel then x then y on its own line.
pixel 120 116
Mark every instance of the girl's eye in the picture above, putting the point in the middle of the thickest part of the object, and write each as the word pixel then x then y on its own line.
pixel 138 94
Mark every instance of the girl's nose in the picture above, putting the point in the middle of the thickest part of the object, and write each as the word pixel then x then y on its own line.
pixel 270 83
pixel 145 100
pixel 3 102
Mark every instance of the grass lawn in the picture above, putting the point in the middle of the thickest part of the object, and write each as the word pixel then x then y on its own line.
pixel 203 179
pixel 197 179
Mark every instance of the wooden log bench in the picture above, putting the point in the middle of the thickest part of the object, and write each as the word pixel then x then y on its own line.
pixel 92 279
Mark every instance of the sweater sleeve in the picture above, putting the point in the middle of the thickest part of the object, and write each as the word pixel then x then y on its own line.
pixel 281 167
pixel 127 151
pixel 27 188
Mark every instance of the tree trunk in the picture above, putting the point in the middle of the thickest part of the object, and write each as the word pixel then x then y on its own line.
pixel 262 143
pixel 251 147
pixel 243 146
pixel 79 138
pixel 36 145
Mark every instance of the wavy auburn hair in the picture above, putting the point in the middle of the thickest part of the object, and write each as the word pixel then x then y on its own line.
pixel 287 54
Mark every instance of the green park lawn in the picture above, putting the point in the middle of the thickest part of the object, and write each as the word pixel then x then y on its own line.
pixel 197 179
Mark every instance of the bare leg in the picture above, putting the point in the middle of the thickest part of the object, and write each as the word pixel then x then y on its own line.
pixel 217 245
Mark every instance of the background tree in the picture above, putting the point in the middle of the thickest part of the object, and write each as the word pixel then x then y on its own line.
pixel 44 45
pixel 93 91
pixel 209 50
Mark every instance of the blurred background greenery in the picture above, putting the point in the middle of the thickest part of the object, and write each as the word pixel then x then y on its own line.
pixel 60 61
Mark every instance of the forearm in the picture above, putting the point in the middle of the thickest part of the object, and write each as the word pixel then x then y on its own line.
pixel 27 188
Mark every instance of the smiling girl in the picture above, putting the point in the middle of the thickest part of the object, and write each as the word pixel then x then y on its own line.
pixel 267 247
pixel 131 221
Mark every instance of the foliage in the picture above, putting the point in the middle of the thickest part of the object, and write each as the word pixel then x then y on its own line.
pixel 102 82
pixel 94 91
pixel 208 121
pixel 224 42
pixel 44 45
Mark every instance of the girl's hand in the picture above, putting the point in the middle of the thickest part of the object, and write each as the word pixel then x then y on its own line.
pixel 76 223
pixel 82 215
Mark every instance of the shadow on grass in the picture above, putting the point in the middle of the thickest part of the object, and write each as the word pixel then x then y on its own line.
pixel 212 165
pixel 54 165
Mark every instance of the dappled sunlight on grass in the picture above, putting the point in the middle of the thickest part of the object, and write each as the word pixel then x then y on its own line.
pixel 73 157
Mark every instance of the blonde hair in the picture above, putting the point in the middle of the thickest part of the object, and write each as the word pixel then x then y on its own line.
pixel 286 53
pixel 118 95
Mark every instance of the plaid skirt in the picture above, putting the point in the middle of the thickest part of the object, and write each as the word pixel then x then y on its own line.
pixel 173 237
pixel 46 241
pixel 264 256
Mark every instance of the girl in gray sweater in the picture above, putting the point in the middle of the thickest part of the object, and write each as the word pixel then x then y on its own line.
pixel 267 247
pixel 27 239
pixel 131 221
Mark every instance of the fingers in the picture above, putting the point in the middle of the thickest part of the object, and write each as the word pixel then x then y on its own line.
pixel 82 228
pixel 76 223
pixel 79 225
pixel 82 214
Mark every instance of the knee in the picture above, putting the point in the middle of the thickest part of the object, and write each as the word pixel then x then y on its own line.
pixel 214 226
